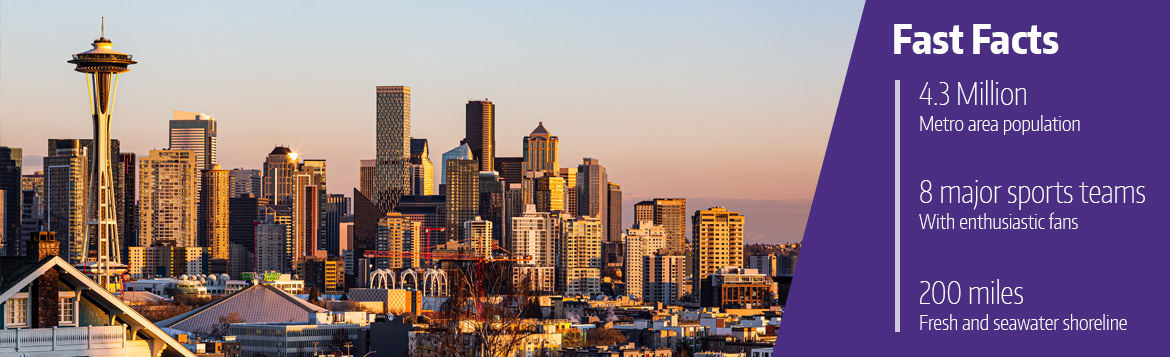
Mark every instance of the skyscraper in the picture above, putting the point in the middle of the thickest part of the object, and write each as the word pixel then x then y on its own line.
pixel 166 212
pixel 532 236
pixel 593 192
pixel 461 152
pixel 541 151
pixel 398 234
pixel 365 226
pixel 549 194
pixel 366 177
pixel 66 170
pixel 642 242
pixel 492 203
pixel 663 276
pixel 422 171
pixel 717 240
pixel 580 265
pixel 511 169
pixel 245 211
pixel 431 211
pixel 481 132
pixel 309 206
pixel 462 194
pixel 245 182
pixel 336 208
pixel 214 217
pixel 11 160
pixel 392 171
pixel 614 252
pixel 571 189
pixel 195 132
pixel 671 214
pixel 127 168
pixel 102 65
pixel 278 175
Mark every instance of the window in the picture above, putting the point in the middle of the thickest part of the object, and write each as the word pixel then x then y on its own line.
pixel 66 310
pixel 16 312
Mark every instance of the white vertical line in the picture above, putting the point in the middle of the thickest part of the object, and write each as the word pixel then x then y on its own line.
pixel 897 206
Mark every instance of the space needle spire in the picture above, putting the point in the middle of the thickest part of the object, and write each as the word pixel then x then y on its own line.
pixel 101 66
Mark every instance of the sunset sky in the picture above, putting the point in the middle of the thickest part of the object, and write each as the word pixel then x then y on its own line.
pixel 721 103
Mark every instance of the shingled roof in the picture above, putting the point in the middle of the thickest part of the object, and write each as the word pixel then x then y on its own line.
pixel 255 304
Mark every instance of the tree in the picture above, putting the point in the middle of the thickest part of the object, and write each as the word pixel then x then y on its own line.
pixel 221 329
pixel 572 339
pixel 314 295
pixel 339 339
pixel 485 315
pixel 604 337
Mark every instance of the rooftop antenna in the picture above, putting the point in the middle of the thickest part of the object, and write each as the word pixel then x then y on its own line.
pixel 103 26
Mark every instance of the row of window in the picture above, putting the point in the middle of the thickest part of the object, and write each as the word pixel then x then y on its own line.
pixel 18 309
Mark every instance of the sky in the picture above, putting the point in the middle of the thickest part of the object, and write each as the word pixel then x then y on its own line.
pixel 724 103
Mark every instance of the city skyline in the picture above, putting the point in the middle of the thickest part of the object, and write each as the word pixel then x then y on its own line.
pixel 613 127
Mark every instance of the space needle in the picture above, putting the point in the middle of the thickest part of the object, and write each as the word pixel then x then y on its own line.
pixel 101 66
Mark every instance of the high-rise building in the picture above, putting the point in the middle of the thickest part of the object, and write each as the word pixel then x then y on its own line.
pixel 32 208
pixel 365 225
pixel 765 264
pixel 366 176
pixel 392 171
pixel 642 242
pixel 532 236
pixel 671 214
pixel 166 212
pixel 492 203
pixel 549 194
pixel 195 132
pixel 214 213
pixel 644 211
pixel 571 189
pixel 325 274
pixel 336 208
pixel 270 243
pixel 121 184
pixel 593 192
pixel 431 211
pixel 579 272
pixel 396 233
pixel 279 167
pixel 11 160
pixel 541 151
pixel 245 182
pixel 477 233
pixel 481 133
pixel 663 276
pixel 462 194
pixel 614 252
pixel 422 171
pixel 511 169
pixel 283 215
pixel 461 152
pixel 309 184
pixel 32 218
pixel 66 172
pixel 127 169
pixel 717 241
pixel 245 211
